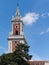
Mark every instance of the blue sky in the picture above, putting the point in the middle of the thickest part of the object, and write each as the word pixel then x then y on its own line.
pixel 35 14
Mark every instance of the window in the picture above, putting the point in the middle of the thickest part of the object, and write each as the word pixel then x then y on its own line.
pixel 15 41
pixel 16 32
pixel 37 64
pixel 16 26
pixel 15 44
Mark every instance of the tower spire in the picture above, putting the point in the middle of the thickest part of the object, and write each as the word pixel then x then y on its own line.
pixel 17 11
pixel 17 16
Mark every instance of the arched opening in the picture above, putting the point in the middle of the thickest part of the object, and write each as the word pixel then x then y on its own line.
pixel 16 32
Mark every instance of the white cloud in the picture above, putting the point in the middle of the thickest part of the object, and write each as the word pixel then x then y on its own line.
pixel 48 14
pixel 47 30
pixel 41 33
pixel 31 18
pixel 43 15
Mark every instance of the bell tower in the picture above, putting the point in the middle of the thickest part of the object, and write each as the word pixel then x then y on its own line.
pixel 16 36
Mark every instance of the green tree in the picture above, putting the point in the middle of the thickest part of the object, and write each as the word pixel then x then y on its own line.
pixel 19 57
pixel 21 54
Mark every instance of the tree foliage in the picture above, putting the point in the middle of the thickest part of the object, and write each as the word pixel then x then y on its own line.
pixel 19 57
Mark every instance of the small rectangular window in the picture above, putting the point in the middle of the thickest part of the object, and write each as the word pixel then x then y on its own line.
pixel 15 41
pixel 37 64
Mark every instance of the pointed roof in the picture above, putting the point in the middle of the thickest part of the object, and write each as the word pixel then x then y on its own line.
pixel 17 11
pixel 17 17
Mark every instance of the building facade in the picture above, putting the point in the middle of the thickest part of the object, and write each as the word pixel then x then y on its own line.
pixel 16 36
pixel 39 62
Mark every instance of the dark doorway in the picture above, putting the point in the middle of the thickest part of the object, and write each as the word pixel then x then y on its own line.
pixel 16 32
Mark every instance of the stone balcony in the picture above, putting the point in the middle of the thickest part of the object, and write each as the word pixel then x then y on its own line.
pixel 11 36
